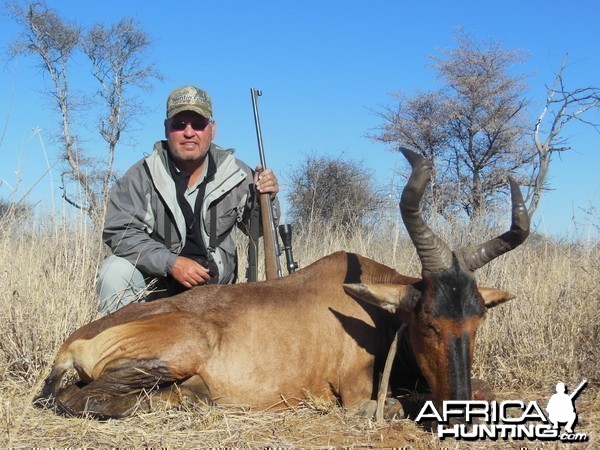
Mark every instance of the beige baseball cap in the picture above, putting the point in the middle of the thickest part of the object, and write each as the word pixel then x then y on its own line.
pixel 189 98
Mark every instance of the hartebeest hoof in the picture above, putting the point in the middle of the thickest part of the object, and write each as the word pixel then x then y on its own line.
pixel 192 392
pixel 392 409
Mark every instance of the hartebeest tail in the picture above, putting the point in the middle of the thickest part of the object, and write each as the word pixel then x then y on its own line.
pixel 317 332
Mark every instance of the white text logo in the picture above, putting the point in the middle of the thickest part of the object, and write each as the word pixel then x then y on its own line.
pixel 512 419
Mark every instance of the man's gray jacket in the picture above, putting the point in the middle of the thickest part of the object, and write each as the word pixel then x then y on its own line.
pixel 145 225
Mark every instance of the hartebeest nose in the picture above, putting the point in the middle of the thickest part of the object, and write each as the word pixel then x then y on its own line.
pixel 459 366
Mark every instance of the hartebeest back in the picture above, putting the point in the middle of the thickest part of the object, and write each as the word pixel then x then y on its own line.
pixel 316 332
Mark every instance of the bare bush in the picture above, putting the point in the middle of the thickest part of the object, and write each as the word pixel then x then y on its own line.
pixel 332 190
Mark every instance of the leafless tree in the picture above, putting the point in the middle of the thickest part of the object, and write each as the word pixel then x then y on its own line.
pixel 474 127
pixel 53 40
pixel 562 106
pixel 336 191
pixel 117 55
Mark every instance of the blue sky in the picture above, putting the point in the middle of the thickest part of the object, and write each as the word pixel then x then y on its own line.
pixel 322 66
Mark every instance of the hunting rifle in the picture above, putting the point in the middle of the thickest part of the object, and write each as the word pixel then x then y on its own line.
pixel 271 244
pixel 577 390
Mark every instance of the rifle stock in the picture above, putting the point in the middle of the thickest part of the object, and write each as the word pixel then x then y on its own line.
pixel 272 264
pixel 271 245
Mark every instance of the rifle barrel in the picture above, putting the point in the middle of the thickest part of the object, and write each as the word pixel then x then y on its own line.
pixel 577 389
pixel 272 250
pixel 261 150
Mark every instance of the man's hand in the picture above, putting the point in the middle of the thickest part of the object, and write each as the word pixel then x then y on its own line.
pixel 189 272
pixel 266 181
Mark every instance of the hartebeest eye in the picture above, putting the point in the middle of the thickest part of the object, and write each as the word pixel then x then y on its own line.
pixel 432 328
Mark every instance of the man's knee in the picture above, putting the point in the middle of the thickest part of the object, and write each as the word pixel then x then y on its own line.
pixel 119 283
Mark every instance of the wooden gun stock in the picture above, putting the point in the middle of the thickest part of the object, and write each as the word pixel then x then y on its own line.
pixel 272 264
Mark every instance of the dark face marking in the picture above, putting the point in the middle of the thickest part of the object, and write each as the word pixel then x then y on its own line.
pixel 443 349
pixel 445 324
pixel 459 366
pixel 453 294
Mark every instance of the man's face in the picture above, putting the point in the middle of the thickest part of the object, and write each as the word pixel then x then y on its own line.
pixel 189 136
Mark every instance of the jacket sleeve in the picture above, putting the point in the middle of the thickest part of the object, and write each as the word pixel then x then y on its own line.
pixel 129 223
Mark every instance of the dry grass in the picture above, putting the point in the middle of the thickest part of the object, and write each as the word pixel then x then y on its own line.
pixel 550 333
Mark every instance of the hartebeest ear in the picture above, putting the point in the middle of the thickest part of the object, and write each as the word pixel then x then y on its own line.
pixel 494 297
pixel 391 297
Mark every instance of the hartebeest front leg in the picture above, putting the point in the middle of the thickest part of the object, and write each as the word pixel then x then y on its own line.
pixel 92 400
pixel 116 391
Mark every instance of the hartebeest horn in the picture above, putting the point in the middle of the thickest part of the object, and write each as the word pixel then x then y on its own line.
pixel 478 256
pixel 433 252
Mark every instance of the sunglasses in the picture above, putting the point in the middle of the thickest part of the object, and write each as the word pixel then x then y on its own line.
pixel 197 125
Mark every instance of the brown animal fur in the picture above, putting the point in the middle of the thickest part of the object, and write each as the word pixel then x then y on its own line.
pixel 255 344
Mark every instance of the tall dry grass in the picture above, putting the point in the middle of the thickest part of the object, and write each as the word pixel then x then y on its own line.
pixel 46 290
pixel 550 333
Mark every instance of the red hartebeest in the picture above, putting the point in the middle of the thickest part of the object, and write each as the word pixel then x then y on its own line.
pixel 317 331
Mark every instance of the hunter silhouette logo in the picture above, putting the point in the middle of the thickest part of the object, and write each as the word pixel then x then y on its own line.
pixel 511 419
pixel 561 406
